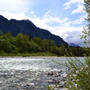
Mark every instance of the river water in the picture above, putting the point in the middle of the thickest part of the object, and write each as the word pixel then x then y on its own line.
pixel 32 63
pixel 29 73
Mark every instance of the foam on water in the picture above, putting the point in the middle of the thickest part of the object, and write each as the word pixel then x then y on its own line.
pixel 29 63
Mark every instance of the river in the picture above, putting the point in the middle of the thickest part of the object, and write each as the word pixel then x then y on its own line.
pixel 29 73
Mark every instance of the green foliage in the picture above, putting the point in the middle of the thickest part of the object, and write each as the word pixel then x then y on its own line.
pixel 33 47
pixel 6 43
pixel 86 31
pixel 78 76
pixel 87 9
pixel 23 44
pixel 51 88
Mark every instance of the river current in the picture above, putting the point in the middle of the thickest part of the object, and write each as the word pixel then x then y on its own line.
pixel 33 73
pixel 33 63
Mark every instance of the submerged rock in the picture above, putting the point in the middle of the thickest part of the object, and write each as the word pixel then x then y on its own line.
pixel 54 72
pixel 64 75
pixel 50 73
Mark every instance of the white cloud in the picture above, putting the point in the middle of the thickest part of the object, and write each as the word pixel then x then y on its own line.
pixel 79 9
pixel 70 2
pixel 14 6
pixel 18 16
pixel 78 3
pixel 79 21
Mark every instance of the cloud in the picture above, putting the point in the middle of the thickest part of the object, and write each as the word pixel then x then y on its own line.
pixel 47 19
pixel 79 9
pixel 18 16
pixel 69 34
pixel 78 3
pixel 78 22
pixel 14 6
pixel 70 2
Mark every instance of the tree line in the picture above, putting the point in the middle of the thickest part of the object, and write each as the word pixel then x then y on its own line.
pixel 24 44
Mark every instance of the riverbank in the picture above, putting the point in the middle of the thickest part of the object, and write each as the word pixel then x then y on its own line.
pixel 42 57
pixel 29 54
pixel 40 54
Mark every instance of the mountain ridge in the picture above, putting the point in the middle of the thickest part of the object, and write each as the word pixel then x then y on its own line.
pixel 27 27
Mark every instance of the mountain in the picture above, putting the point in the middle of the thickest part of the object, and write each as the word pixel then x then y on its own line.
pixel 73 45
pixel 27 27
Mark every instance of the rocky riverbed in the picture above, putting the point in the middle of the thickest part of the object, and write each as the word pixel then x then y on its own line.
pixel 31 80
pixel 32 73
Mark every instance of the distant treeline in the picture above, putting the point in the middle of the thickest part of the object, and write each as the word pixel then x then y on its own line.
pixel 26 45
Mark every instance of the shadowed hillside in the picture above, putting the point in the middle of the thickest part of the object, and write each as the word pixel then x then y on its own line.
pixel 26 27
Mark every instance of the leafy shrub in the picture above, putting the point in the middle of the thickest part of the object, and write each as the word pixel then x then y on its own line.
pixel 78 76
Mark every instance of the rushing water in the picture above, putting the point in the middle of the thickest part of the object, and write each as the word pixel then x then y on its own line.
pixel 32 63
pixel 31 73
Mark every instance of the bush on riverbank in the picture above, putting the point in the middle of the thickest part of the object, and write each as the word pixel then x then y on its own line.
pixel 78 77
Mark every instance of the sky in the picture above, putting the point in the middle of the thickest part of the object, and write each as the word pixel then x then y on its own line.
pixel 65 18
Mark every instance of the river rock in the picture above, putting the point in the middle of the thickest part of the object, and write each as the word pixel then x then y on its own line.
pixel 62 83
pixel 64 75
pixel 51 82
pixel 54 72
pixel 50 73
